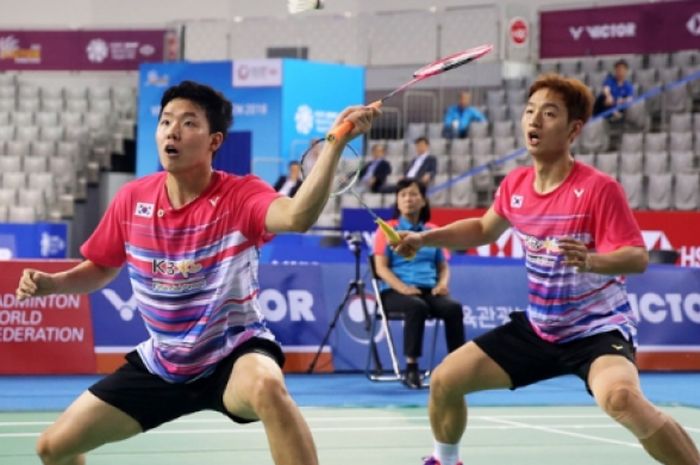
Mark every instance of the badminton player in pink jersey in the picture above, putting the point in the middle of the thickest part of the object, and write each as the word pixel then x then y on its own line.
pixel 580 238
pixel 190 237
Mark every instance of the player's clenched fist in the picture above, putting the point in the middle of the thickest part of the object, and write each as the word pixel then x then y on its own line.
pixel 34 283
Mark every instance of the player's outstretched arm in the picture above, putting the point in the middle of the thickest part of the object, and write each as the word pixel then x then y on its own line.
pixel 460 235
pixel 82 278
pixel 301 212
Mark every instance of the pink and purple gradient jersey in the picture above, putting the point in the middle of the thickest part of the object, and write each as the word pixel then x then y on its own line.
pixel 193 270
pixel 591 207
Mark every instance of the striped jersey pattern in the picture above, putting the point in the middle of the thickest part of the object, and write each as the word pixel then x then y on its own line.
pixel 193 270
pixel 563 303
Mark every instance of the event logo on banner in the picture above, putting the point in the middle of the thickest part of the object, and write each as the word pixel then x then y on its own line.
pixel 257 73
pixel 292 302
pixel 518 32
pixel 33 240
pixel 43 335
pixel 641 28
pixel 79 50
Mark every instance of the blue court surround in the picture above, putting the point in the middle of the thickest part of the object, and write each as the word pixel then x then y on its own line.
pixel 41 393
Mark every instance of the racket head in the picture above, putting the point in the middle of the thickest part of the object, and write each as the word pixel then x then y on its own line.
pixel 452 61
pixel 346 174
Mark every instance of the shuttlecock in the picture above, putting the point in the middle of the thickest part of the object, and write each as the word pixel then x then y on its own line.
pixel 299 6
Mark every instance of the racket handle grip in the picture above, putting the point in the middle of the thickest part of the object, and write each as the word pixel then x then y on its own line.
pixel 346 126
pixel 391 234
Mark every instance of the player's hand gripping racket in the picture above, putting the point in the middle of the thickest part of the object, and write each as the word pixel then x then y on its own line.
pixel 433 69
pixel 346 175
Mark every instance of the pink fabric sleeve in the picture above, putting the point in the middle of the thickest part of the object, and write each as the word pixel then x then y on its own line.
pixel 615 225
pixel 253 199
pixel 105 247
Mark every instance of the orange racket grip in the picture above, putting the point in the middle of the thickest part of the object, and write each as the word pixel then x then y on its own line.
pixel 346 126
pixel 390 234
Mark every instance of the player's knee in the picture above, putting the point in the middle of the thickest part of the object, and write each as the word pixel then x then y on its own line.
pixel 269 390
pixel 441 386
pixel 618 401
pixel 47 451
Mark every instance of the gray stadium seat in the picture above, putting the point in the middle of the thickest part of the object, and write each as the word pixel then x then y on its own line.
pixel 7 132
pixel 668 75
pixel 413 131
pixel 438 146
pixel 681 141
pixel 17 147
pixel 607 163
pixel 659 192
pixel 26 132
pixel 637 117
pixel 569 67
pixel 33 198
pixel 482 146
pixel 460 147
pixel 677 100
pixel 443 164
pixel 71 118
pixel 441 197
pixel 19 214
pixel 33 164
pixel 28 91
pixel 503 145
pixel 42 180
pixel 434 130
pixel 586 158
pixel 395 147
pixel 460 164
pixel 633 185
pixel 656 142
pixel 590 64
pixel 516 97
pixel 495 97
pixel 24 118
pixel 51 133
pixel 51 93
pixel 632 142
pixel 655 163
pixel 99 92
pixel 3 213
pixel 680 122
pixel 502 129
pixel 646 79
pixel 46 118
pixel 29 104
pixel 8 195
pixel 5 118
pixel 14 180
pixel 685 58
pixel 54 104
pixel 68 149
pixel 7 104
pixel 686 195
pixel 682 161
pixel 498 113
pixel 77 105
pixel 631 162
pixel 43 148
pixel 478 129
pixel 594 137
pixel 462 193
pixel 10 163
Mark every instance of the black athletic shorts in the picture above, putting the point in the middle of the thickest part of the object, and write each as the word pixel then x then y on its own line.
pixel 527 358
pixel 152 401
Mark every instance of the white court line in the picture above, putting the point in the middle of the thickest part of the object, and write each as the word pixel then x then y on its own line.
pixel 343 419
pixel 167 431
pixel 565 433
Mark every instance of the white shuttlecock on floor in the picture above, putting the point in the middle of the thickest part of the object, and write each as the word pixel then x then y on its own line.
pixel 299 6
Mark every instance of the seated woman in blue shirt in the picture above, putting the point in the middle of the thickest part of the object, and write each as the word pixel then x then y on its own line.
pixel 617 89
pixel 417 287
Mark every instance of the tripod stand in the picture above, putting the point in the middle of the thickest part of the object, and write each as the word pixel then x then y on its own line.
pixel 356 287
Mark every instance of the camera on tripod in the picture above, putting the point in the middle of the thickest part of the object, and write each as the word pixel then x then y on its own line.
pixel 353 240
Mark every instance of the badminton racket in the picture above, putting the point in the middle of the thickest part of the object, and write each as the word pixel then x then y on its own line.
pixel 433 69
pixel 346 175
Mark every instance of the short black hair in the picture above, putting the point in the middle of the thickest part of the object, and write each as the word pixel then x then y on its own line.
pixel 424 215
pixel 294 162
pixel 217 107
pixel 622 62
pixel 421 139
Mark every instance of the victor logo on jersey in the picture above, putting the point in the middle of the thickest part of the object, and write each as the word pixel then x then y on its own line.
pixel 516 201
pixel 170 268
pixel 578 193
pixel 144 210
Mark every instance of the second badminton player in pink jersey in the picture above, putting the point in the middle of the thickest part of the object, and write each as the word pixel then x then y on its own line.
pixel 579 237
pixel 190 237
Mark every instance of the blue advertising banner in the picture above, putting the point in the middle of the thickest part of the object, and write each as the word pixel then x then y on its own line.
pixel 300 301
pixel 33 240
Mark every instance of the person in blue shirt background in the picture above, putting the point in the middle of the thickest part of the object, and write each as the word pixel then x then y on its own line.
pixel 617 89
pixel 458 117
pixel 416 287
